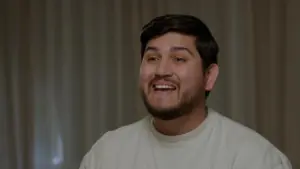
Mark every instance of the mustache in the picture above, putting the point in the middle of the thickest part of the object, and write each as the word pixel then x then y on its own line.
pixel 164 78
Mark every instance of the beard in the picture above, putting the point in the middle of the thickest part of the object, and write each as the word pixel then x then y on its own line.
pixel 187 103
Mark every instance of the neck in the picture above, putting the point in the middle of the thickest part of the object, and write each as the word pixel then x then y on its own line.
pixel 181 125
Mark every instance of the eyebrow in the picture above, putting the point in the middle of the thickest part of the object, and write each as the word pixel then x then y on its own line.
pixel 151 48
pixel 181 48
pixel 173 49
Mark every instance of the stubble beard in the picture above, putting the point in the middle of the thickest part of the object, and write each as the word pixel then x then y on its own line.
pixel 187 104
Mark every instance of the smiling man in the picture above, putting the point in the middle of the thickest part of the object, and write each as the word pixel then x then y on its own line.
pixel 178 70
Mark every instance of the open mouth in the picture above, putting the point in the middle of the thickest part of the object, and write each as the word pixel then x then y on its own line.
pixel 163 87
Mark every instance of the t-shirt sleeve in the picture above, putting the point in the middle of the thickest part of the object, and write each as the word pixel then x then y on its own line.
pixel 260 157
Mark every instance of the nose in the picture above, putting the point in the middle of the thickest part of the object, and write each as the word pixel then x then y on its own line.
pixel 163 68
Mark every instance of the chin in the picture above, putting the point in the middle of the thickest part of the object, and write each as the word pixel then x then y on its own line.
pixel 167 110
pixel 164 112
pixel 163 107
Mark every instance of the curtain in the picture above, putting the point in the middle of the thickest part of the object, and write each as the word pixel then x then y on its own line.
pixel 69 72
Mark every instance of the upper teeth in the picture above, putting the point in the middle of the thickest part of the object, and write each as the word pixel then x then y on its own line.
pixel 163 86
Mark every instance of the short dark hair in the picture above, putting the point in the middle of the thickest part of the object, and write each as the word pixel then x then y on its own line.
pixel 206 44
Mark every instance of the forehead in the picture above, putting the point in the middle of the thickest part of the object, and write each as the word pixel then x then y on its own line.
pixel 173 39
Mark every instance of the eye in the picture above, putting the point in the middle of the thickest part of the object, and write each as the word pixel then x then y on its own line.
pixel 179 59
pixel 151 58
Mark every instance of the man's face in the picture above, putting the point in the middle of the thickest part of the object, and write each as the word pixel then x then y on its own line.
pixel 172 81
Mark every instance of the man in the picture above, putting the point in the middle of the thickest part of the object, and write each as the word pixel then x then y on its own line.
pixel 178 69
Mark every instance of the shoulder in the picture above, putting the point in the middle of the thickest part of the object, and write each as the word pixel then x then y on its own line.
pixel 251 150
pixel 110 143
pixel 234 133
pixel 123 134
pixel 260 156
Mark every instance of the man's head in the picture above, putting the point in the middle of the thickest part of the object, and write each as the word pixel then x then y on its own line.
pixel 179 65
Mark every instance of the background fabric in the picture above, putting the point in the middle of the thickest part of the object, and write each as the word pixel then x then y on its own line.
pixel 69 71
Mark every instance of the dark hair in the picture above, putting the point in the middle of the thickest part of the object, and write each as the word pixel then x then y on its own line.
pixel 205 43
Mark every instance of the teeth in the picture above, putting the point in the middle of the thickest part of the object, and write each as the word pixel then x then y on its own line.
pixel 163 87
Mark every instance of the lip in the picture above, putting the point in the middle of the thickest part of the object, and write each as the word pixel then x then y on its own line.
pixel 163 82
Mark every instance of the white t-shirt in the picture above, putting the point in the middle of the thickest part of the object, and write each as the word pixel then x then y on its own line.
pixel 218 143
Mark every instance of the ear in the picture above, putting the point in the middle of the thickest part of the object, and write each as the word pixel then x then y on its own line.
pixel 211 75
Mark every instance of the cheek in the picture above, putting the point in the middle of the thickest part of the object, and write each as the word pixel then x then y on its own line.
pixel 190 80
pixel 145 76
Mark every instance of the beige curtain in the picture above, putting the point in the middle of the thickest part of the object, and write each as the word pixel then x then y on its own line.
pixel 69 69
